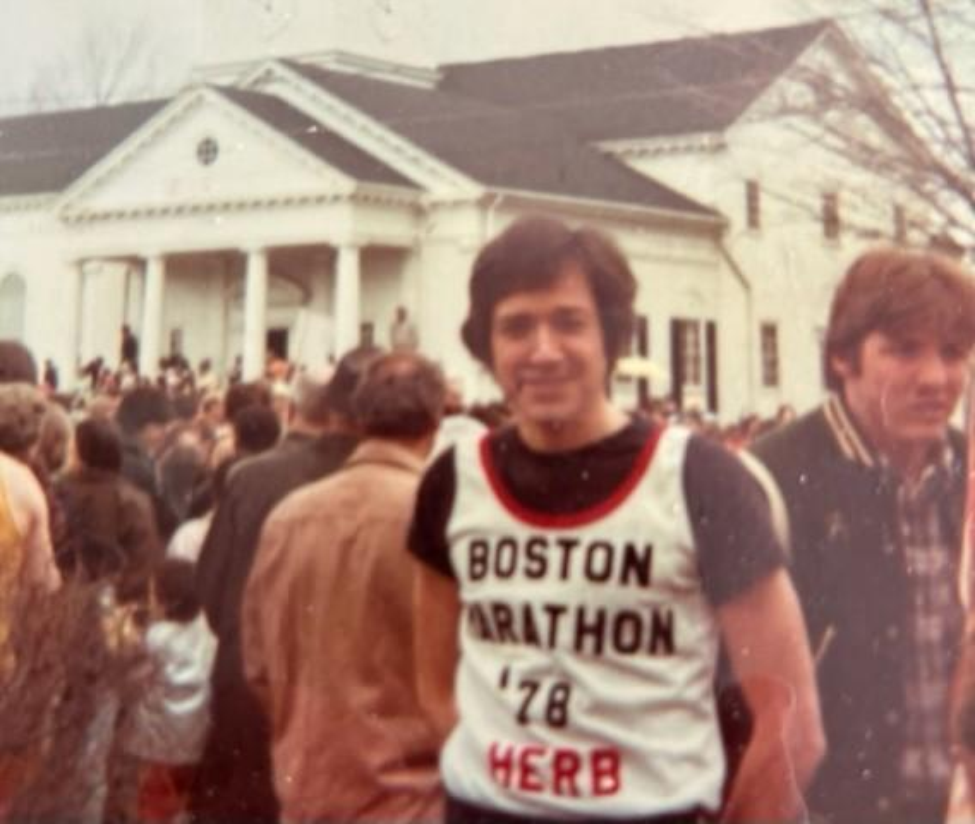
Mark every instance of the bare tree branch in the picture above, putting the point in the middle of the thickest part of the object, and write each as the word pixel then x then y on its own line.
pixel 948 76
pixel 109 64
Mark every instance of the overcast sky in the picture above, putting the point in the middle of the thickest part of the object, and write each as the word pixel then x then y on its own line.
pixel 52 48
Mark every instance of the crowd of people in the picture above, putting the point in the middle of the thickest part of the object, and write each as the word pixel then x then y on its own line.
pixel 342 596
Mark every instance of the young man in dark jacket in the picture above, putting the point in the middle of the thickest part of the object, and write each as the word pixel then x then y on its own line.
pixel 873 483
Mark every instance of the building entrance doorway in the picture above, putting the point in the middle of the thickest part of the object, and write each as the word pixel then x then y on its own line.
pixel 277 343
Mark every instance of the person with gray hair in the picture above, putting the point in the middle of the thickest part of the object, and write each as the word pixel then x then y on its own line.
pixel 327 630
pixel 22 410
pixel 401 396
pixel 234 777
pixel 54 439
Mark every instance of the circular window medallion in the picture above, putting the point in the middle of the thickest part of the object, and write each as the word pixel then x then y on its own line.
pixel 207 151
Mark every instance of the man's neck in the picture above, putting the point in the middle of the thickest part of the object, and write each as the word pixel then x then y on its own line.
pixel 564 436
pixel 301 427
pixel 420 447
pixel 908 459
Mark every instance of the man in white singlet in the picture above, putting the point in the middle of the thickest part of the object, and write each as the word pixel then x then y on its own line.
pixel 578 571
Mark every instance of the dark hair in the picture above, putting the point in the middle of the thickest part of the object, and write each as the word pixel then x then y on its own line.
pixel 401 395
pixel 349 371
pixel 141 407
pixel 898 292
pixel 175 580
pixel 530 255
pixel 99 444
pixel 184 406
pixel 256 429
pixel 17 364
pixel 241 395
pixel 92 558
pixel 311 397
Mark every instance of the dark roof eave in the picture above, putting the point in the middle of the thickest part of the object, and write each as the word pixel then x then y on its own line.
pixel 706 218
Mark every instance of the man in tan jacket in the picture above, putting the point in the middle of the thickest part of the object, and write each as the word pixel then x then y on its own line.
pixel 327 623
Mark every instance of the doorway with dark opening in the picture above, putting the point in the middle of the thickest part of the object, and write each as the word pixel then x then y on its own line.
pixel 277 343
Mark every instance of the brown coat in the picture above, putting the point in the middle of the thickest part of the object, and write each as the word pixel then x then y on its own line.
pixel 107 514
pixel 328 645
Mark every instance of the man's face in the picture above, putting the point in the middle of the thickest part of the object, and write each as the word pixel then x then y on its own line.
pixel 213 413
pixel 903 389
pixel 548 356
pixel 152 436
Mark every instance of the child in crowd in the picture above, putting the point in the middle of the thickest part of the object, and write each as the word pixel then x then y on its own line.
pixel 167 724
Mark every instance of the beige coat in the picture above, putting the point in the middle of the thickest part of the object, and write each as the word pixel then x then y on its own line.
pixel 328 646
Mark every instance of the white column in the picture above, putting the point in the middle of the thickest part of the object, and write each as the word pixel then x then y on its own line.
pixel 345 305
pixel 71 299
pixel 255 314
pixel 150 339
pixel 135 291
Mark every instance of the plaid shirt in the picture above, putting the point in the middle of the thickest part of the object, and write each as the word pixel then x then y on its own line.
pixel 935 623
pixel 935 620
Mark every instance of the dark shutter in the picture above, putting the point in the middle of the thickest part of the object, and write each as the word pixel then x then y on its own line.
pixel 711 364
pixel 643 350
pixel 676 362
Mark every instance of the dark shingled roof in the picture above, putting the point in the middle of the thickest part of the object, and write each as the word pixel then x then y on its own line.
pixel 42 153
pixel 521 123
pixel 628 92
pixel 497 145
pixel 312 135
pixel 46 152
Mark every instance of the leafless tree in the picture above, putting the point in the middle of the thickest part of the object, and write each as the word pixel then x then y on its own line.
pixel 109 62
pixel 66 674
pixel 918 85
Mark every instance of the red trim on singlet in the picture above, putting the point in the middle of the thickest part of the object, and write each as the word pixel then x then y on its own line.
pixel 568 519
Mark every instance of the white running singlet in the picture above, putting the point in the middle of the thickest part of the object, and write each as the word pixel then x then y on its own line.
pixel 588 648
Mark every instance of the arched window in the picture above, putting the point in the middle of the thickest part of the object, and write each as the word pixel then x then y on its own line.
pixel 13 297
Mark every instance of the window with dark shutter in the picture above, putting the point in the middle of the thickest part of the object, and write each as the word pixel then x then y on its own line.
pixel 753 204
pixel 831 215
pixel 769 337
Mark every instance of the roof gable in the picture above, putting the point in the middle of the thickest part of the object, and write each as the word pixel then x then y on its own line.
pixel 627 92
pixel 305 87
pixel 500 146
pixel 210 149
pixel 317 138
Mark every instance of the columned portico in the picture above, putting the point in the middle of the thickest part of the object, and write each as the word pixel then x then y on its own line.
pixel 255 313
pixel 150 346
pixel 347 298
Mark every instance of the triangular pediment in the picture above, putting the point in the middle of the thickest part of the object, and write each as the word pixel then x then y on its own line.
pixel 425 169
pixel 204 151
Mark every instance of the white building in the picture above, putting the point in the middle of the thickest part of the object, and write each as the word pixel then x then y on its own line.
pixel 295 203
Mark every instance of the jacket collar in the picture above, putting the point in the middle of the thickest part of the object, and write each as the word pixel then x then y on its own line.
pixel 388 453
pixel 848 438
pixel 298 438
pixel 856 448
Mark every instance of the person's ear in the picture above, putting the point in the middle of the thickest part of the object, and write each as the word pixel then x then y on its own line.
pixel 842 367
